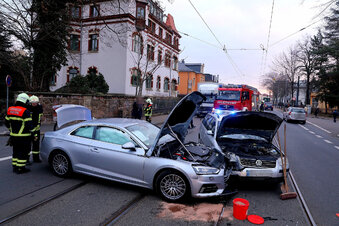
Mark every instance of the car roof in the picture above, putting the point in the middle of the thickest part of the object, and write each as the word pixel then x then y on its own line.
pixel 118 122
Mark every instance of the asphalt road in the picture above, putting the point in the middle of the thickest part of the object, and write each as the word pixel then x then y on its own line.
pixel 313 154
pixel 96 201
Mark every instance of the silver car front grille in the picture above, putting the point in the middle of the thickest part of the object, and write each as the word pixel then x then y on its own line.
pixel 257 163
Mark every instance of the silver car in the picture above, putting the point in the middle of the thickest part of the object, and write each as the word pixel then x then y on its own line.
pixel 295 114
pixel 247 138
pixel 136 152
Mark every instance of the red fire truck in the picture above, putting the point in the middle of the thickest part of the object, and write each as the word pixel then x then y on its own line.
pixel 237 97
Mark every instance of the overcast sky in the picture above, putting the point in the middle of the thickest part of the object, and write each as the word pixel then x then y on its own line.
pixel 241 24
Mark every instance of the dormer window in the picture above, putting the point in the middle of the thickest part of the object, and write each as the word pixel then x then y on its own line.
pixel 94 11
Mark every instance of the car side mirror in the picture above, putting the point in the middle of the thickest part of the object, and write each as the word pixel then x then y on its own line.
pixel 209 132
pixel 129 145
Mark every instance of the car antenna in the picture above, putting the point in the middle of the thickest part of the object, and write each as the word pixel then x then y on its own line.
pixel 176 137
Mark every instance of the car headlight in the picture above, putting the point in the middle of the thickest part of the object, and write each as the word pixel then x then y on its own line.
pixel 205 170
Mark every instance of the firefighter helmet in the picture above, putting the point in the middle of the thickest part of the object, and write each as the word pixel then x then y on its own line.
pixel 23 97
pixel 34 99
pixel 149 101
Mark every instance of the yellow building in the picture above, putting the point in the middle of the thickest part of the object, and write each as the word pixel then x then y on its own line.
pixel 189 77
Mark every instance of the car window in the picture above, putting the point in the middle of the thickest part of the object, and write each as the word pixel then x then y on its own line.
pixel 212 124
pixel 111 135
pixel 298 110
pixel 85 131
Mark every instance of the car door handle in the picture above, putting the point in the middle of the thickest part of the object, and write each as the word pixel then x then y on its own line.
pixel 94 150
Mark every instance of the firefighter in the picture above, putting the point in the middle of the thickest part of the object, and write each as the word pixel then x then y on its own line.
pixel 148 110
pixel 19 122
pixel 36 113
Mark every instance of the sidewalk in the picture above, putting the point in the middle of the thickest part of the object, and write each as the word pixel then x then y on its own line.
pixel 156 120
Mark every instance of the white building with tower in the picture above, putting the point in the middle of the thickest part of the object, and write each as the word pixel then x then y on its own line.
pixel 116 38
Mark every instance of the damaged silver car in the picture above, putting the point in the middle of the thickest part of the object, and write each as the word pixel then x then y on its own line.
pixel 138 153
pixel 247 137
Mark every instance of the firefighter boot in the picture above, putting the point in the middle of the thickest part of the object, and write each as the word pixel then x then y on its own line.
pixel 36 158
pixel 21 170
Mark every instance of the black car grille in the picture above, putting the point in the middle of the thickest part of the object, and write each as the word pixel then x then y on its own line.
pixel 252 163
pixel 201 108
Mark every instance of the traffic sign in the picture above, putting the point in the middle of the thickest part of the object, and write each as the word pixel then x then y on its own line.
pixel 8 81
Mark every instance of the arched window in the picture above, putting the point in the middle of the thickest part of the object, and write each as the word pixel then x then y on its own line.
pixel 72 72
pixel 92 69
pixel 175 63
pixel 158 83
pixel 174 85
pixel 149 81
pixel 166 84
pixel 136 77
pixel 137 43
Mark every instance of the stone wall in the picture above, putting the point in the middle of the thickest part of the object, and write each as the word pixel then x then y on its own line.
pixel 103 106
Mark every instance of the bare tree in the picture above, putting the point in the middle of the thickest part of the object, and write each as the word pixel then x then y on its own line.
pixel 307 63
pixel 277 84
pixel 287 65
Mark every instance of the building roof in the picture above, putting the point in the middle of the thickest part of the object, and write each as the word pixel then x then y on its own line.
pixel 197 67
pixel 182 67
pixel 170 23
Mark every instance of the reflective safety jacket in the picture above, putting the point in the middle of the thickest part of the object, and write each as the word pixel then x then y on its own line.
pixel 148 110
pixel 19 121
pixel 36 114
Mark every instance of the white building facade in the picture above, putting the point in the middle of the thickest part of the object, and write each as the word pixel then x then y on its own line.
pixel 123 40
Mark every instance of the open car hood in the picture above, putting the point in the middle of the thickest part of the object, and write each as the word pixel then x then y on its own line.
pixel 261 124
pixel 69 113
pixel 180 117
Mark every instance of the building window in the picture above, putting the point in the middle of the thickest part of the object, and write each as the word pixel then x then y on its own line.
pixel 94 10
pixel 193 81
pixel 150 52
pixel 166 84
pixel 167 60
pixel 137 44
pixel 174 85
pixel 72 72
pixel 160 32
pixel 140 12
pixel 168 38
pixel 93 70
pixel 93 44
pixel 149 81
pixel 75 12
pixel 189 86
pixel 158 83
pixel 74 42
pixel 175 63
pixel 136 77
pixel 159 57
pixel 151 26
pixel 178 80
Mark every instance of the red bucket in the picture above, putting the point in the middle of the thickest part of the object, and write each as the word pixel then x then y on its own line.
pixel 240 207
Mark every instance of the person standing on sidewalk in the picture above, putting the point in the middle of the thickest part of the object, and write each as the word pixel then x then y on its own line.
pixel 36 113
pixel 137 108
pixel 19 122
pixel 148 110
pixel 335 114
pixel 316 112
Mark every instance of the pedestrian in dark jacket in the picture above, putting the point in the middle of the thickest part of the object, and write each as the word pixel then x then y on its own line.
pixel 335 114
pixel 262 107
pixel 137 108
pixel 316 112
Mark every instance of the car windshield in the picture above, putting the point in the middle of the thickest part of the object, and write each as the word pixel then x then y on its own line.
pixel 298 110
pixel 228 95
pixel 268 104
pixel 209 99
pixel 242 137
pixel 147 133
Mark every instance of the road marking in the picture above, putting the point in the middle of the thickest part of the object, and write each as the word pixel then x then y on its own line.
pixel 337 147
pixel 319 127
pixel 327 141
pixel 304 127
pixel 318 136
pixel 311 132
pixel 5 158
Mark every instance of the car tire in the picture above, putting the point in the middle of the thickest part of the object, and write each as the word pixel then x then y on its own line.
pixel 172 186
pixel 60 164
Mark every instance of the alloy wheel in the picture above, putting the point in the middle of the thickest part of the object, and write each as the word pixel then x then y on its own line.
pixel 173 186
pixel 60 164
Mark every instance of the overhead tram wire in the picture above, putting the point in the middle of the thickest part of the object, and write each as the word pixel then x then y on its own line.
pixel 217 46
pixel 235 67
pixel 273 44
pixel 268 41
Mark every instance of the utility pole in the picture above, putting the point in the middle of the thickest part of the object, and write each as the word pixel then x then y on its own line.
pixel 298 85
